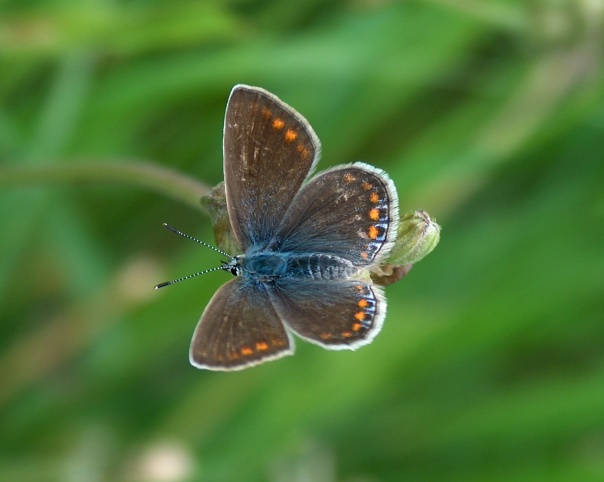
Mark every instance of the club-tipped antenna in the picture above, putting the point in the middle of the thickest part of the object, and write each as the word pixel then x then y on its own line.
pixel 167 283
pixel 176 231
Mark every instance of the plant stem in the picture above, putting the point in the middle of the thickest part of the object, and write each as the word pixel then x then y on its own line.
pixel 142 174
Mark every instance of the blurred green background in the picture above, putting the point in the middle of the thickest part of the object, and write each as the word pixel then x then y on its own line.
pixel 488 114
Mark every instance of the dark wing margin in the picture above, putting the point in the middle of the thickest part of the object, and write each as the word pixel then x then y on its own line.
pixel 239 328
pixel 269 150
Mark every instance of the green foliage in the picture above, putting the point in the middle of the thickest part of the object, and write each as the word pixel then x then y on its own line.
pixel 489 115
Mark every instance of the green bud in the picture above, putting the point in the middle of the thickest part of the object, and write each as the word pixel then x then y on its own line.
pixel 417 236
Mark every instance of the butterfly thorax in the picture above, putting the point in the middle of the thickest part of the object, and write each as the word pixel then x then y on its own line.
pixel 270 266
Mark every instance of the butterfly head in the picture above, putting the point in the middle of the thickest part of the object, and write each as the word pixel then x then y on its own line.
pixel 234 266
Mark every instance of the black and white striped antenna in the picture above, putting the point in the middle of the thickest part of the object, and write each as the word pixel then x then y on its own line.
pixel 223 267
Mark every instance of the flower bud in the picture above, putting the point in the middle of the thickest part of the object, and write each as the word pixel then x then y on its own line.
pixel 417 236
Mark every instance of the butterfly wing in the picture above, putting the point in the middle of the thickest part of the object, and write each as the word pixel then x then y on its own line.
pixel 269 150
pixel 350 211
pixel 336 314
pixel 239 328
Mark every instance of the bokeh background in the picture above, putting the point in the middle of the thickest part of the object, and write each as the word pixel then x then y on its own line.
pixel 488 114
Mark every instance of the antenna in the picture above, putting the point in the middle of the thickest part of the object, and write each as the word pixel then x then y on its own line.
pixel 167 283
pixel 176 231
pixel 223 267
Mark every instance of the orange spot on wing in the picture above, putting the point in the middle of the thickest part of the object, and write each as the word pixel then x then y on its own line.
pixel 246 351
pixel 373 232
pixel 347 334
pixel 266 113
pixel 290 136
pixel 357 327
pixel 363 303
pixel 261 346
pixel 367 186
pixel 359 315
pixel 325 336
pixel 278 124
pixel 374 214
pixel 348 178
pixel 304 152
pixel 374 198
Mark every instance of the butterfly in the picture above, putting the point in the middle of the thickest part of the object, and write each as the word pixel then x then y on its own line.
pixel 307 242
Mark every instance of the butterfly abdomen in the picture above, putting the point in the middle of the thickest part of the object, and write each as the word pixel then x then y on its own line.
pixel 320 267
pixel 272 266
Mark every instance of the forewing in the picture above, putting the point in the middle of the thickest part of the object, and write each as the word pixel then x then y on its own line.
pixel 349 211
pixel 269 150
pixel 239 328
pixel 336 314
